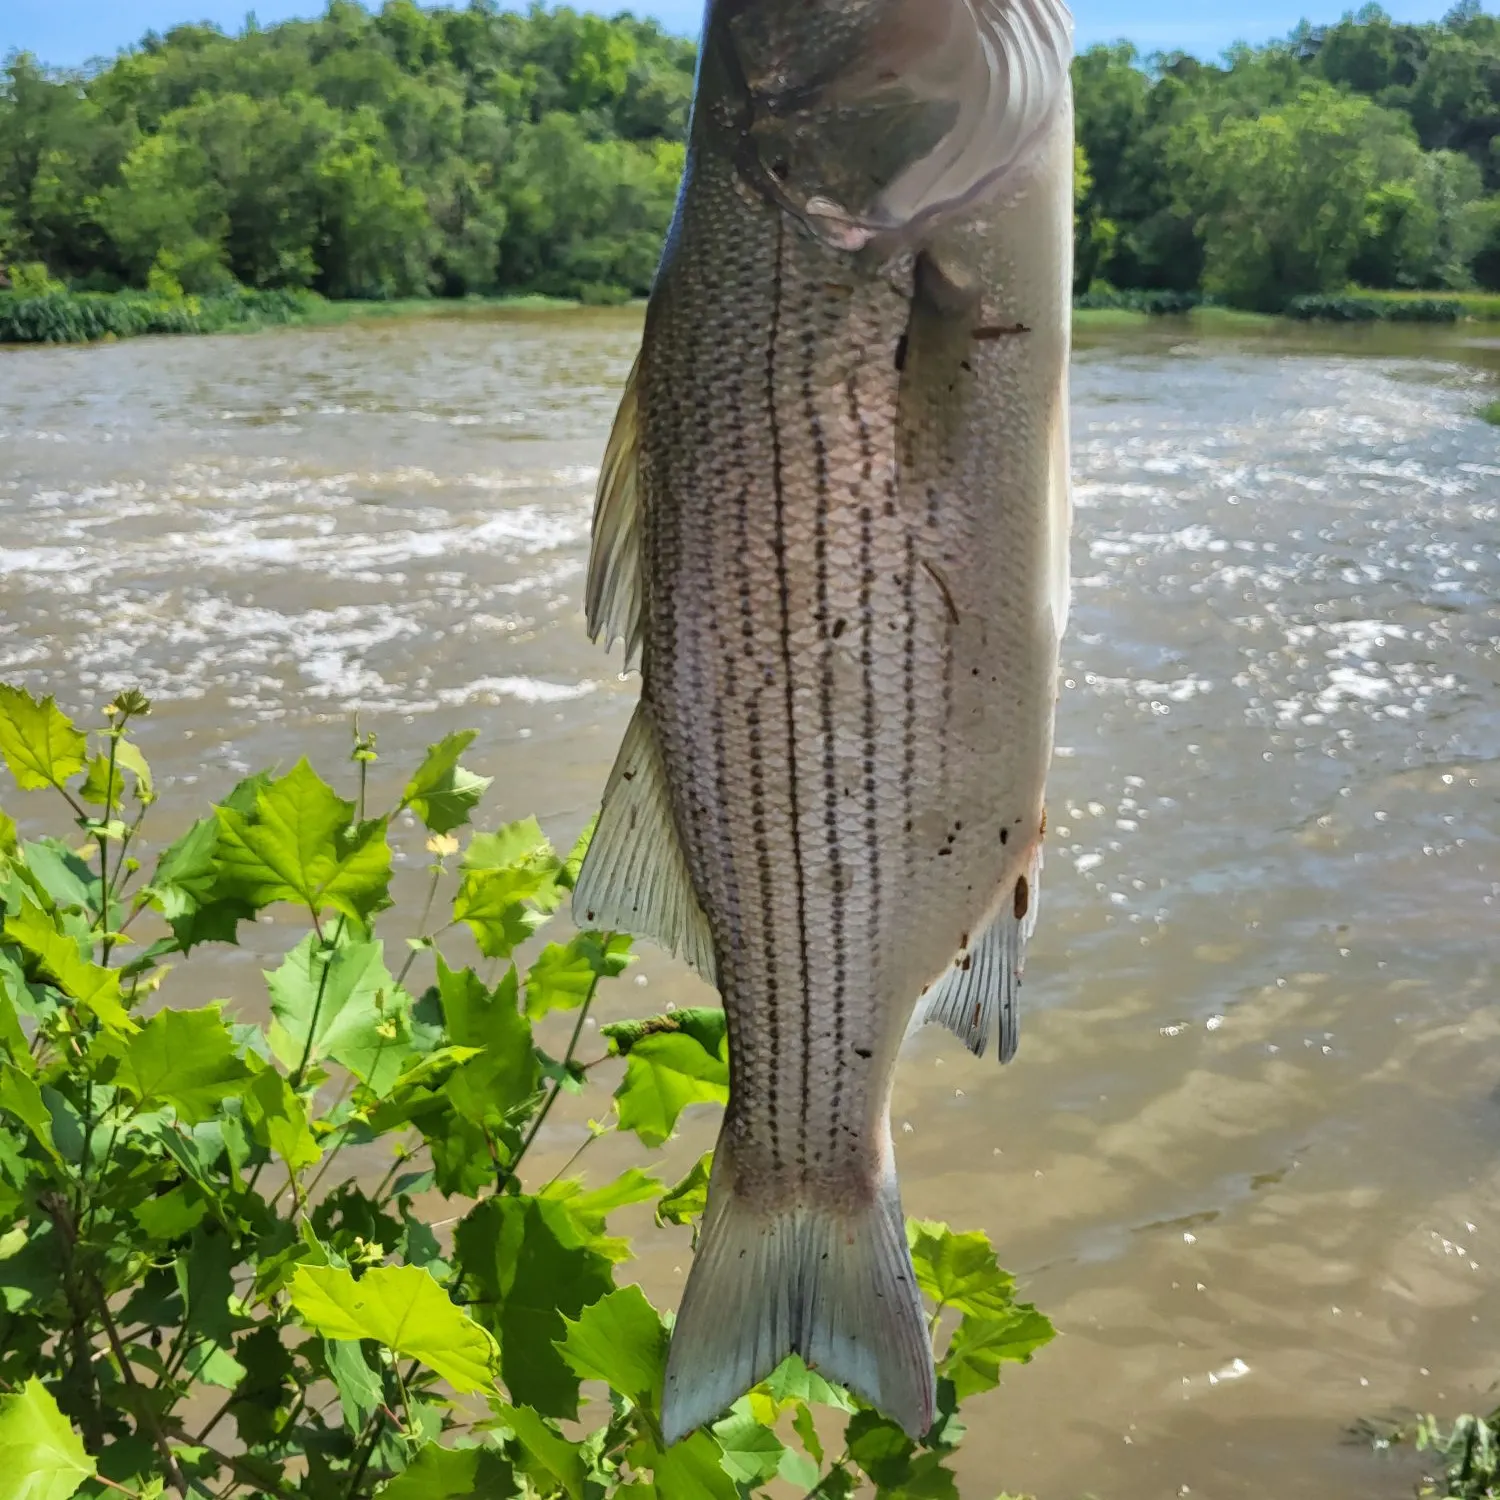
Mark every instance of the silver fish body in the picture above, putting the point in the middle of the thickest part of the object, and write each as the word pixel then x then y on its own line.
pixel 833 525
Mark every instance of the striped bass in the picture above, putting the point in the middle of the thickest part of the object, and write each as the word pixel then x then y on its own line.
pixel 832 529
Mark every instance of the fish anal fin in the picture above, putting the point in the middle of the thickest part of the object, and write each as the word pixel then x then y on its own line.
pixel 614 594
pixel 832 1284
pixel 635 876
pixel 981 991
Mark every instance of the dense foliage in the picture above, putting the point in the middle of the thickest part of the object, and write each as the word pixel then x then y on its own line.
pixel 400 154
pixel 310 1257
pixel 474 151
pixel 1364 152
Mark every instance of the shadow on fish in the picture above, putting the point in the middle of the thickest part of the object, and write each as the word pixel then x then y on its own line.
pixel 832 531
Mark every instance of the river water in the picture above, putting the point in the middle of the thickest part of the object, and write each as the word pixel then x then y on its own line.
pixel 1249 1159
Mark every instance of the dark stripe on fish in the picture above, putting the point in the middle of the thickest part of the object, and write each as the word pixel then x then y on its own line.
pixel 830 743
pixel 909 688
pixel 867 655
pixel 784 590
pixel 764 869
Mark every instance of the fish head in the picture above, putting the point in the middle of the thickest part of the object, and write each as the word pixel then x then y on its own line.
pixel 868 118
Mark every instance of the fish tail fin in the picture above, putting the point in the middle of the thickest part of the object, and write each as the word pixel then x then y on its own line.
pixel 833 1284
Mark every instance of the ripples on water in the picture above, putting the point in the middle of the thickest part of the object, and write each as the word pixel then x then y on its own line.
pixel 1248 1157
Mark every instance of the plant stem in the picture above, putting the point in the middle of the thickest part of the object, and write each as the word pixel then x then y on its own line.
pixel 312 1024
pixel 557 1087
pixel 141 1396
pixel 400 1161
pixel 107 943
pixel 357 1478
pixel 572 1161
pixel 422 933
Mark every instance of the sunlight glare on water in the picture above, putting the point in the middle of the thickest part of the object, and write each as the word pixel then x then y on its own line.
pixel 1247 1159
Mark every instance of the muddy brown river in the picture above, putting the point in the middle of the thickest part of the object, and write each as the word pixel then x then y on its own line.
pixel 1249 1158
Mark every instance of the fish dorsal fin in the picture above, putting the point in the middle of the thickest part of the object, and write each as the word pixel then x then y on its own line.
pixel 982 988
pixel 1012 83
pixel 635 877
pixel 614 593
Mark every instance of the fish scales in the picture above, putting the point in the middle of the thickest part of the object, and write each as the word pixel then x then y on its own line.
pixel 849 485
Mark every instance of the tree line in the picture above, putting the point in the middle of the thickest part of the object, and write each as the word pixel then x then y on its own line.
pixel 452 152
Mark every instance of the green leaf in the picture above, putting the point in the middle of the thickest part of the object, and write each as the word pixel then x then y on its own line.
pixel 504 1074
pixel 879 1447
pixel 268 1386
pixel 39 742
pixel 752 1452
pixel 12 1039
pixel 172 1215
pixel 664 1075
pixel 105 786
pixel 403 1308
pixel 277 1118
pixel 509 887
pixel 41 1457
pixel 807 1431
pixel 689 1198
pixel 442 793
pixel 20 1096
pixel 530 1269
pixel 705 1024
pixel 8 836
pixel 621 1341
pixel 96 989
pixel 128 754
pixel 589 1210
pixel 67 879
pixel 359 1387
pixel 185 1058
pixel 926 1479
pixel 981 1345
pixel 347 1000
pixel 187 872
pixel 546 1455
pixel 573 864
pixel 511 847
pixel 564 975
pixel 793 1381
pixel 301 846
pixel 451 1473
pixel 102 776
pixel 689 1470
pixel 959 1270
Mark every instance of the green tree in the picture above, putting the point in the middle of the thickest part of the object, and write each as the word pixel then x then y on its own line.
pixel 167 210
pixel 1280 199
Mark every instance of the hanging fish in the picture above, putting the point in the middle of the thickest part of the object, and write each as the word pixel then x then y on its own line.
pixel 832 529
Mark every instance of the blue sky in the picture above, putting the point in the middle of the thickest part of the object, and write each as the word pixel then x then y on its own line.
pixel 70 31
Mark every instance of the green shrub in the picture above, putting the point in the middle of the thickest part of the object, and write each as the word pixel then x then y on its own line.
pixel 83 317
pixel 1354 308
pixel 33 279
pixel 194 1295
pixel 1161 304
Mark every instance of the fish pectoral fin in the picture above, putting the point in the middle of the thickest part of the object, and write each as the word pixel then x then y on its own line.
pixel 635 876
pixel 982 988
pixel 834 1285
pixel 934 360
pixel 613 597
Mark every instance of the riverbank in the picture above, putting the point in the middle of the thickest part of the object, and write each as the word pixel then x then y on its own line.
pixel 97 317
pixel 94 317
